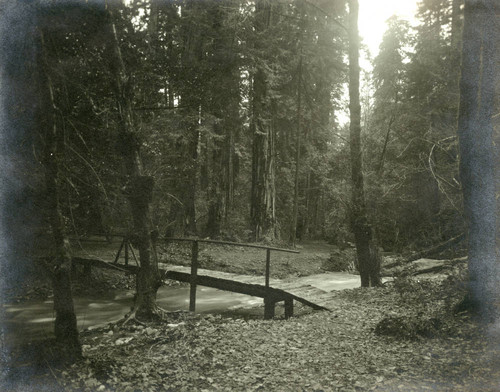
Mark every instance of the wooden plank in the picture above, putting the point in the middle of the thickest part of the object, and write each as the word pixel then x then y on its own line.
pixel 245 288
pixel 228 283
pixel 290 287
pixel 221 284
pixel 232 243
pixel 105 264
pixel 308 303
pixel 252 279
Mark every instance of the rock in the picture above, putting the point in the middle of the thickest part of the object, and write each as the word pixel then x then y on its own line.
pixel 175 325
pixel 122 341
pixel 150 331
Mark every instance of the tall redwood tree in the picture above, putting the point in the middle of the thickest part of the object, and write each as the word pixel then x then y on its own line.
pixel 368 258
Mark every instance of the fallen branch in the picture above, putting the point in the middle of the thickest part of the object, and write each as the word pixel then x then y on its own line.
pixel 438 268
pixel 427 252
pixel 436 249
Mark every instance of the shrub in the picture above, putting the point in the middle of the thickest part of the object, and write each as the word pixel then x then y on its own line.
pixel 427 305
pixel 340 261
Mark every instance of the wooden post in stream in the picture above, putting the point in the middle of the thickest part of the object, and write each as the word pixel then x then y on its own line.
pixel 194 272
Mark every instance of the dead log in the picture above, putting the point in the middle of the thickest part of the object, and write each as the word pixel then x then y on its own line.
pixel 428 252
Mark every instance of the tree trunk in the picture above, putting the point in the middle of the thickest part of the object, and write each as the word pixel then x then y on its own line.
pixel 262 208
pixel 224 104
pixel 214 194
pixel 65 327
pixel 368 259
pixel 380 166
pixel 293 231
pixel 190 191
pixel 192 97
pixel 138 189
pixel 477 162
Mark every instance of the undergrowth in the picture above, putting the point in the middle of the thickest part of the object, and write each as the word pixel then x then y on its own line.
pixel 427 306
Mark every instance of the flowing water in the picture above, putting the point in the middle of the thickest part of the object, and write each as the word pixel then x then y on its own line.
pixel 34 320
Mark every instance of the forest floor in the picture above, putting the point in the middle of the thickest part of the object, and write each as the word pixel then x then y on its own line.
pixel 400 337
pixel 347 349
pixel 313 258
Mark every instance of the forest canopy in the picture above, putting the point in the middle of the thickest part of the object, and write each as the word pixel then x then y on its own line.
pixel 236 109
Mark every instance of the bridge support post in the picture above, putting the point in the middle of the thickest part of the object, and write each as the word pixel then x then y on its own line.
pixel 119 252
pixel 268 266
pixel 127 244
pixel 194 273
pixel 288 308
pixel 269 306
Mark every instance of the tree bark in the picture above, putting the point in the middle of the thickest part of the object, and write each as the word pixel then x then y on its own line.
pixel 293 232
pixel 262 208
pixel 65 326
pixel 138 189
pixel 380 166
pixel 368 258
pixel 224 103
pixel 191 96
pixel 477 84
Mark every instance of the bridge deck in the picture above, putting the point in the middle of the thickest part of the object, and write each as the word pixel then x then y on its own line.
pixel 277 291
pixel 252 285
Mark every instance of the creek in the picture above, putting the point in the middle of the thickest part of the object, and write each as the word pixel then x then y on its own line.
pixel 33 320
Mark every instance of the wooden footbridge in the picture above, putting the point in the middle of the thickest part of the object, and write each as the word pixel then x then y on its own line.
pixel 271 290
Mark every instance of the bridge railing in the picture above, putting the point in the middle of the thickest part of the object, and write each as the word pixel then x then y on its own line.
pixel 126 247
pixel 269 306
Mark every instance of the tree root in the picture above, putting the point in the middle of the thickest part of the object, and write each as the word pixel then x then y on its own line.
pixel 157 315
pixel 130 316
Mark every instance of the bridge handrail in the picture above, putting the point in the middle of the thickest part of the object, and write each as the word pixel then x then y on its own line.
pixel 194 262
pixel 268 300
pixel 230 243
